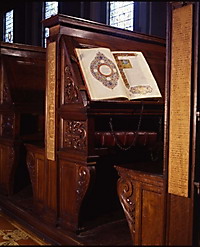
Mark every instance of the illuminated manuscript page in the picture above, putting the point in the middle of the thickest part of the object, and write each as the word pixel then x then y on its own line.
pixel 101 73
pixel 137 75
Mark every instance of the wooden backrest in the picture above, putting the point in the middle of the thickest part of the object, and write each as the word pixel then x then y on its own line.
pixel 22 74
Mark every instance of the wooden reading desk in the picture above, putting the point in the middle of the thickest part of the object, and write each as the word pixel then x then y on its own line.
pixel 73 178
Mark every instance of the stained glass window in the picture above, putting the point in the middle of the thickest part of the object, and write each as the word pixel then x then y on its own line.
pixel 50 9
pixel 8 31
pixel 121 14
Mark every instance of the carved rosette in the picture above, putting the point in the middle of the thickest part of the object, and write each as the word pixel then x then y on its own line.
pixel 30 161
pixel 70 89
pixel 75 135
pixel 126 192
pixel 7 125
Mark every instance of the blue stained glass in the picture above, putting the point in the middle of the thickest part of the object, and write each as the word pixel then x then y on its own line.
pixel 8 34
pixel 51 8
pixel 121 14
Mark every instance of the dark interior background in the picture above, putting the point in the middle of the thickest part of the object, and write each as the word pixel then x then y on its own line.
pixel 150 17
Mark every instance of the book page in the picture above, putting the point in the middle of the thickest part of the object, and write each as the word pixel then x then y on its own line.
pixel 137 76
pixel 101 74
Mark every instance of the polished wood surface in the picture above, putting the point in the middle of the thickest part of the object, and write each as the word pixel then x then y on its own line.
pixel 87 178
pixel 36 168
pixel 176 220
pixel 93 192
pixel 142 197
pixel 72 198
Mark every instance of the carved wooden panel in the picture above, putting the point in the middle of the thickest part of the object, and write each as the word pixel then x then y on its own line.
pixel 5 96
pixel 83 179
pixel 127 198
pixel 69 89
pixel 142 198
pixel 7 125
pixel 73 185
pixel 36 167
pixel 74 135
pixel 7 167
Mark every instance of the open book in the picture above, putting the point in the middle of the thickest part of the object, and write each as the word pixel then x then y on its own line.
pixel 116 74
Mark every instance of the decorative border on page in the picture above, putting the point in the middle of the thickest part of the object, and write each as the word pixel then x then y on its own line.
pixel 104 70
pixel 125 64
pixel 142 89
pixel 122 65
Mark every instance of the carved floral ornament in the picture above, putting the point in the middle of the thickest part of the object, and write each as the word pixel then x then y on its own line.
pixel 85 177
pixel 126 195
pixel 70 89
pixel 75 135
pixel 83 182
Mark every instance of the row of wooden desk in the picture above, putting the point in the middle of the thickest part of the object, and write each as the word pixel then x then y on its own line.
pixel 62 154
pixel 59 173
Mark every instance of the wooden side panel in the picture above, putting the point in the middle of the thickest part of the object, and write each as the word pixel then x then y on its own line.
pixel 44 183
pixel 142 198
pixel 51 190
pixel 40 190
pixel 180 217
pixel 74 180
pixel 67 173
pixel 151 216
pixel 36 168
pixel 7 167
